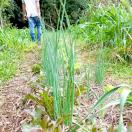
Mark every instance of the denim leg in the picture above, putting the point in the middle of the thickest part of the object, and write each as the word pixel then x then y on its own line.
pixel 31 28
pixel 38 25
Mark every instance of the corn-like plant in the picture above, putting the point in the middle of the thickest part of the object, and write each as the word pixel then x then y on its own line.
pixel 111 26
pixel 115 22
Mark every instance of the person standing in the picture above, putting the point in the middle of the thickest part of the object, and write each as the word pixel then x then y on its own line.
pixel 31 12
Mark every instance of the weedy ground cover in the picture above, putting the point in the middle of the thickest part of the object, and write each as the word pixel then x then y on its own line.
pixel 13 43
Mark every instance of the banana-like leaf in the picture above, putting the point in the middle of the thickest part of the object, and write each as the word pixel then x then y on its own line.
pixel 106 95
pixel 123 100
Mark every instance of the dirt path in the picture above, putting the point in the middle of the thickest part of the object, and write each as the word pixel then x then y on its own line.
pixel 11 113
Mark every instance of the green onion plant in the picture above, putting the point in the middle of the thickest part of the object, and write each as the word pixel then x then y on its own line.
pixel 58 65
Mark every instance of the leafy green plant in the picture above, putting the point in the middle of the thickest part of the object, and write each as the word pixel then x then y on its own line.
pixel 44 100
pixel 43 112
pixel 36 68
pixel 115 22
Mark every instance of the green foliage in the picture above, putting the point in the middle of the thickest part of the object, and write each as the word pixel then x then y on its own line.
pixel 48 104
pixel 125 93
pixel 101 101
pixel 108 94
pixel 107 88
pixel 44 100
pixel 10 37
pixel 110 26
pixel 51 8
pixel 58 64
pixel 43 112
pixel 12 46
pixel 3 5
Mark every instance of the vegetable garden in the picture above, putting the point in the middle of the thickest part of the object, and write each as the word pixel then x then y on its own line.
pixel 80 80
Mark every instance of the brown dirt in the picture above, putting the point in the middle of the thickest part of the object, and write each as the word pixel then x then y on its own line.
pixel 11 112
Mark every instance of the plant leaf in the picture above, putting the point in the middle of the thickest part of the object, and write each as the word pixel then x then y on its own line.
pixel 106 95
pixel 113 103
pixel 123 100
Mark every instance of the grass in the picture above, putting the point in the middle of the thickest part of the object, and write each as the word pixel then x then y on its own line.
pixel 13 44
pixel 8 65
pixel 121 72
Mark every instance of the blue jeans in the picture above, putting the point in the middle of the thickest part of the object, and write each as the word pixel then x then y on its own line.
pixel 34 22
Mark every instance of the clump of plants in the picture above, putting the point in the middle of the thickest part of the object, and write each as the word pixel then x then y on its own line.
pixel 58 67
pixel 109 25
pixel 36 68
